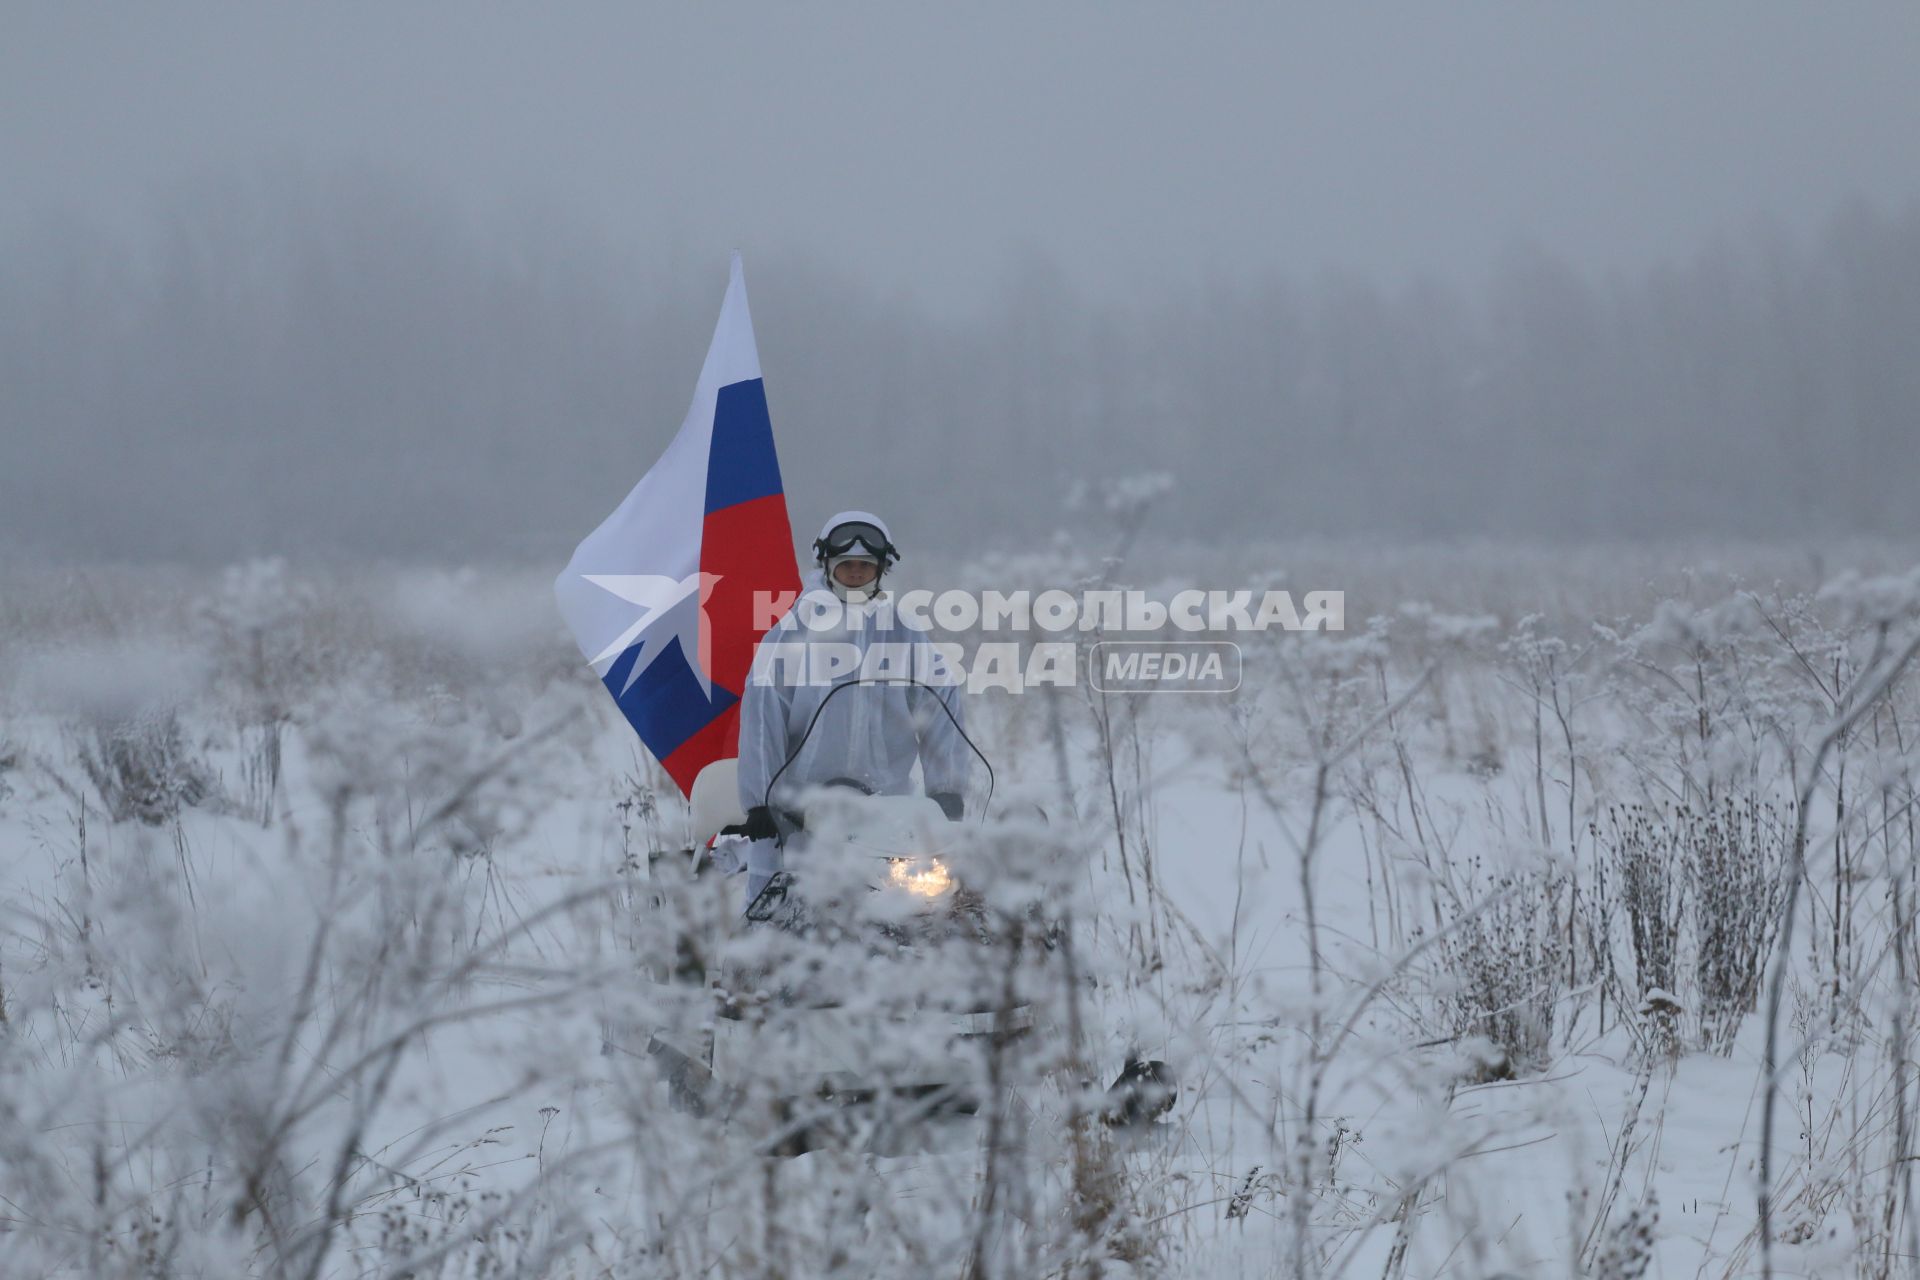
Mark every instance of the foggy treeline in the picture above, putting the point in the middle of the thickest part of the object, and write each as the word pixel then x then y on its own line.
pixel 344 368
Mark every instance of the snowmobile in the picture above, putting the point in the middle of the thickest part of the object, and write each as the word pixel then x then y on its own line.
pixel 868 977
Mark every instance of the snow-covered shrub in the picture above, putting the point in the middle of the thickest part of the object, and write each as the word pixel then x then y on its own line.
pixel 1714 687
pixel 122 702
pixel 143 768
pixel 217 1040
pixel 264 656
pixel 1687 899
pixel 1503 960
pixel 1627 1250
pixel 1735 854
pixel 999 951
pixel 1642 876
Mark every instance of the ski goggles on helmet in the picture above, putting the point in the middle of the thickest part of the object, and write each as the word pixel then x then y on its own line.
pixel 856 537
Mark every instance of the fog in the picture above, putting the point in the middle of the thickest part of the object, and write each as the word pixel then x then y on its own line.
pixel 433 282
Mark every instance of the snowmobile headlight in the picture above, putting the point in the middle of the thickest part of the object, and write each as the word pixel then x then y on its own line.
pixel 922 877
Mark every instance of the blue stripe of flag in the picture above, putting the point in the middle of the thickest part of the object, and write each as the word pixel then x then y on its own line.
pixel 741 464
pixel 665 705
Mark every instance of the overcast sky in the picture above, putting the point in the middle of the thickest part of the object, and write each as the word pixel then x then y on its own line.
pixel 932 148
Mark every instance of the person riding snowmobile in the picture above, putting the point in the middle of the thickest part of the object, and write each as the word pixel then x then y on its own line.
pixel 816 730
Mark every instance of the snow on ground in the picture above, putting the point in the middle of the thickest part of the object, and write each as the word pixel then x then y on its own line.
pixel 335 947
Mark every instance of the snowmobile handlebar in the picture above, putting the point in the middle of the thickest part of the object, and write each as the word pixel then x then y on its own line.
pixel 766 801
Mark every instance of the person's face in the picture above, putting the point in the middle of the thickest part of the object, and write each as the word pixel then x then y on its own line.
pixel 855 573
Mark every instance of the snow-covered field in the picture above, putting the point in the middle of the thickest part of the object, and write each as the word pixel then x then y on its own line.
pixel 341 907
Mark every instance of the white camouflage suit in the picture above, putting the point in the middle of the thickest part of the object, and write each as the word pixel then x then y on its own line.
pixel 869 735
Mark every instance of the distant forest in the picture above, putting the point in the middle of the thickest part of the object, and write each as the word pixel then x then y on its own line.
pixel 341 369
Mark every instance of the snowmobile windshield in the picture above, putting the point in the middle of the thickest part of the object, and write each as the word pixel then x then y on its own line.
pixel 842 540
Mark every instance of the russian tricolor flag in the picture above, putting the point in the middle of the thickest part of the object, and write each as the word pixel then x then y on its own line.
pixel 660 597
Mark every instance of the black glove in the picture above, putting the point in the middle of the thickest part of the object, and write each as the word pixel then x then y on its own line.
pixel 761 826
pixel 950 804
pixel 758 826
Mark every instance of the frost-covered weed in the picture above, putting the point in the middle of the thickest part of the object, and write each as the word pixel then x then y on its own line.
pixel 1503 962
pixel 1642 887
pixel 143 768
pixel 1736 853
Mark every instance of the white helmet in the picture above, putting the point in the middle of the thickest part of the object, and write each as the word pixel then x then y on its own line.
pixel 855 535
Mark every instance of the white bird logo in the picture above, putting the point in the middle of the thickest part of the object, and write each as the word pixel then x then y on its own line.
pixel 670 606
